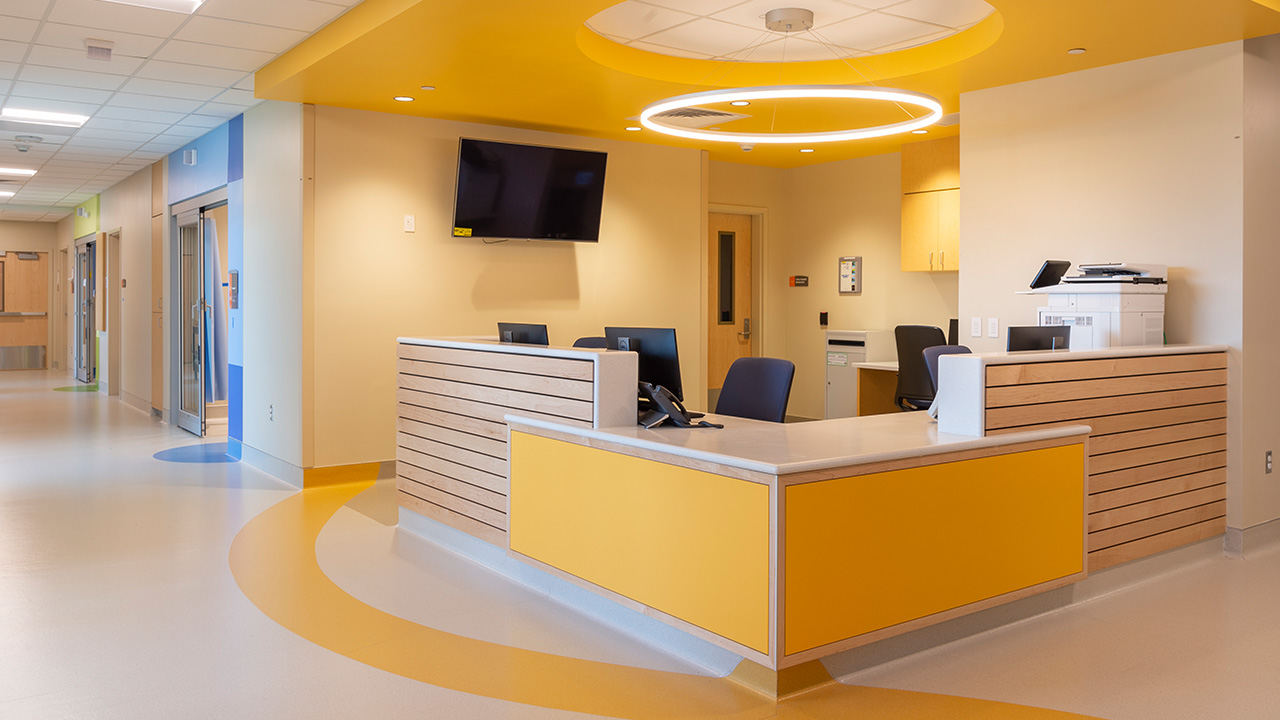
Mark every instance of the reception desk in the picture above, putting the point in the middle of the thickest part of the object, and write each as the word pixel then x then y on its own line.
pixel 788 543
pixel 783 543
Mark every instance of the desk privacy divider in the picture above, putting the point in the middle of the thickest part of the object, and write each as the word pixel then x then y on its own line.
pixel 451 439
pixel 1157 450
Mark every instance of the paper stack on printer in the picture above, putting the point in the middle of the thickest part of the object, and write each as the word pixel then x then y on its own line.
pixel 1120 273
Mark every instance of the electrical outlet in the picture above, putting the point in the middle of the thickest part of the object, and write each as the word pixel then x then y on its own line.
pixel 271 413
pixel 1268 462
pixel 408 223
pixel 975 327
pixel 993 327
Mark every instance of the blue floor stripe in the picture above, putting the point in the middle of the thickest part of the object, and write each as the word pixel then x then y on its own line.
pixel 207 453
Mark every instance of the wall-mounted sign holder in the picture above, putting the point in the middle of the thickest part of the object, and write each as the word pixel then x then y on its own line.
pixel 851 275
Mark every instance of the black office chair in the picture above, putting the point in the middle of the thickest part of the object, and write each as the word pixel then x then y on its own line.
pixel 590 342
pixel 931 355
pixel 757 388
pixel 915 389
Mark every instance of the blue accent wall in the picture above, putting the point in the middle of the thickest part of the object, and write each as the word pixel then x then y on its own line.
pixel 235 146
pixel 220 163
pixel 210 170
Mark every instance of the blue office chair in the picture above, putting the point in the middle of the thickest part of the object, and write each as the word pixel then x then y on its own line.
pixel 931 355
pixel 915 390
pixel 590 342
pixel 757 388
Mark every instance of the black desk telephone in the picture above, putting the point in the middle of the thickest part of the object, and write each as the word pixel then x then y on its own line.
pixel 659 405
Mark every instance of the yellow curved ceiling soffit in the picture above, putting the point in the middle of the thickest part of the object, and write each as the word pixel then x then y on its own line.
pixel 721 73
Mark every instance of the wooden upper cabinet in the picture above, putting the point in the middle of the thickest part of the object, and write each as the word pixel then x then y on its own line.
pixel 931 165
pixel 931 205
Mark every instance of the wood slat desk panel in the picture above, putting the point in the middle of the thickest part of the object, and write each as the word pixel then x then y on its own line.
pixel 452 455
pixel 1157 453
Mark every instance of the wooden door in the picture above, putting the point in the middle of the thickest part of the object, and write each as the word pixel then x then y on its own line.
pixel 730 326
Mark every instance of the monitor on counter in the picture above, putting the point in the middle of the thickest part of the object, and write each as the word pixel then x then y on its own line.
pixel 1052 337
pixel 659 359
pixel 526 333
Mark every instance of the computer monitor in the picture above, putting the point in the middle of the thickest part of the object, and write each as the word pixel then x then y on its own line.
pixel 526 333
pixel 1052 337
pixel 659 359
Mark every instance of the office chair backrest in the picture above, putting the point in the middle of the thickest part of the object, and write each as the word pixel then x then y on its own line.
pixel 953 331
pixel 915 389
pixel 931 355
pixel 590 342
pixel 757 388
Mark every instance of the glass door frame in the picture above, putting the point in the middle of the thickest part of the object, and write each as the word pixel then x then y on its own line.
pixel 86 367
pixel 185 308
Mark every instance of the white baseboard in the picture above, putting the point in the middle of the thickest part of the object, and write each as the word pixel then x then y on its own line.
pixel 136 402
pixel 1252 539
pixel 272 465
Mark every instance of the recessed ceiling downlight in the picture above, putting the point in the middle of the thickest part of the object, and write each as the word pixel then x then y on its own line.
pixel 402 98
pixel 633 128
pixel 1077 51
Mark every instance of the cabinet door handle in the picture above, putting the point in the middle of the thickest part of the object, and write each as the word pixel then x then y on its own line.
pixel 930 259
pixel 942 259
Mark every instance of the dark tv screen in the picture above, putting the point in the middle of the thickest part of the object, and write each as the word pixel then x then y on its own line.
pixel 528 192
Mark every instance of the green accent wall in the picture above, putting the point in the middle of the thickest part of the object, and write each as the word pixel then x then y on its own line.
pixel 86 225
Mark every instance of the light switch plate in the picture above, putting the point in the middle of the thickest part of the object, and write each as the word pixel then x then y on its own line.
pixel 408 223
pixel 975 327
pixel 993 327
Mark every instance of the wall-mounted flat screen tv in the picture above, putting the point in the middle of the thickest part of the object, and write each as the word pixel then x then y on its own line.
pixel 528 192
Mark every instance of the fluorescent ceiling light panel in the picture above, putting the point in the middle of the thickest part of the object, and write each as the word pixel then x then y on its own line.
pixel 182 6
pixel 5 193
pixel 17 171
pixel 40 117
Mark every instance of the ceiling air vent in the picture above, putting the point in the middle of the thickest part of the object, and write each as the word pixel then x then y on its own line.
pixel 6 181
pixel 99 49
pixel 697 117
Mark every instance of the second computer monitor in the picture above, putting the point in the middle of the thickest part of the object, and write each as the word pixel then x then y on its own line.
pixel 1053 337
pixel 659 359
pixel 526 333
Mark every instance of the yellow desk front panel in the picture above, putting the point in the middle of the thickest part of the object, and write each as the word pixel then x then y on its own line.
pixel 869 552
pixel 691 544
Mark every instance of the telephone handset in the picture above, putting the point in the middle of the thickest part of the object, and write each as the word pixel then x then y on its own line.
pixel 664 406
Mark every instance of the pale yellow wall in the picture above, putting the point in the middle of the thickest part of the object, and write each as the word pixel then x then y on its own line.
pixel 1261 357
pixel 271 284
pixel 1138 162
pixel 374 282
pixel 817 215
pixel 126 206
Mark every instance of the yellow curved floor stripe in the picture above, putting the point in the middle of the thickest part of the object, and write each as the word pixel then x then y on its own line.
pixel 273 559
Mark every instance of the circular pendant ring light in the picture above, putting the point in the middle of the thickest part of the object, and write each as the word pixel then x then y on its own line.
pixel 650 116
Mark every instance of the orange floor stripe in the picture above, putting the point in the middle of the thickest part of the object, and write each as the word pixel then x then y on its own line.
pixel 273 559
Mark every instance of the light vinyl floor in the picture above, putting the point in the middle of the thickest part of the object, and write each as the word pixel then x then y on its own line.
pixel 117 600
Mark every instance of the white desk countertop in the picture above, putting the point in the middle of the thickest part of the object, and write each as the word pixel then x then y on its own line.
pixel 783 449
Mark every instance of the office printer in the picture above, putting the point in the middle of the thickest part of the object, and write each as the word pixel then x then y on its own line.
pixel 1121 273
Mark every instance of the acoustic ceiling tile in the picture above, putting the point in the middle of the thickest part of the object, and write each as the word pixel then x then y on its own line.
pixel 246 35
pixel 72 37
pixel 153 102
pixel 71 78
pixel 115 16
pixel 213 55
pixel 182 72
pixel 14 28
pixel 301 15
pixel 167 89
pixel 61 93
pixel 71 59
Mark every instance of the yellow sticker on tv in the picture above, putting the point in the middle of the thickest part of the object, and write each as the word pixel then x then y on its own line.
pixel 462 232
